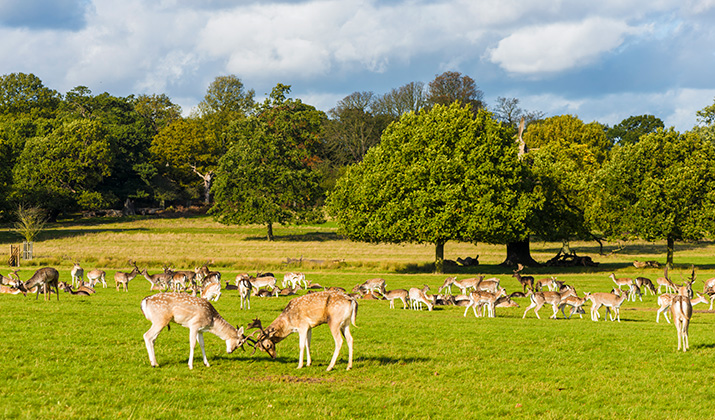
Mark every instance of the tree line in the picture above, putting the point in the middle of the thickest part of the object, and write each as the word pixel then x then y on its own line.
pixel 424 163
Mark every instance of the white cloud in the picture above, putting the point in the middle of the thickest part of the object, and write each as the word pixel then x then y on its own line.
pixel 559 46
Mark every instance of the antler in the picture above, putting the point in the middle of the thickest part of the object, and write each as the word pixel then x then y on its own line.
pixel 256 323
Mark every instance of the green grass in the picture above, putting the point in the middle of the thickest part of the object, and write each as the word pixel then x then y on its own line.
pixel 84 357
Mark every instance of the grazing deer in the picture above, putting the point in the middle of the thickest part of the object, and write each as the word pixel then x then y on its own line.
pixel 196 314
pixel 306 312
pixel 294 279
pixel 646 284
pixel 369 286
pixel 525 281
pixel 204 275
pixel 44 278
pixel 158 281
pixel 401 294
pixel 77 274
pixel 464 285
pixel 122 279
pixel 681 310
pixel 610 301
pixel 448 282
pixel 95 276
pixel 489 285
pixel 418 297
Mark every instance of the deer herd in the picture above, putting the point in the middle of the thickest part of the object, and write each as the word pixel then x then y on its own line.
pixel 184 297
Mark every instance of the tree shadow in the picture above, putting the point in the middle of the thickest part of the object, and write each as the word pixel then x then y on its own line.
pixel 302 237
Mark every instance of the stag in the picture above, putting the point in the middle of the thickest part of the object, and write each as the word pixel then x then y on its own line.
pixel 46 277
pixel 525 281
pixel 304 313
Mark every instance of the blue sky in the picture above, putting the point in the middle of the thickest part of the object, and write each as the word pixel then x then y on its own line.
pixel 601 60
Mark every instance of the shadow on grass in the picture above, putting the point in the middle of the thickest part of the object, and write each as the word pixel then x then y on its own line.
pixel 302 237
pixel 386 360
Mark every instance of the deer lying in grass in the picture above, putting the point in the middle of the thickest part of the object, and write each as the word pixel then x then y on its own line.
pixel 44 278
pixel 304 313
pixel 196 314
pixel 12 290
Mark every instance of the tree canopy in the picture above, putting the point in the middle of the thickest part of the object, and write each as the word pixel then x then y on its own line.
pixel 631 129
pixel 661 188
pixel 440 175
pixel 268 175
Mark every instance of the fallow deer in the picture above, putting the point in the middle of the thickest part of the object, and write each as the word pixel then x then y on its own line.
pixel 525 281
pixel 418 297
pixel 401 294
pixel 122 279
pixel 196 314
pixel 370 285
pixel 77 274
pixel 44 278
pixel 681 310
pixel 95 276
pixel 306 312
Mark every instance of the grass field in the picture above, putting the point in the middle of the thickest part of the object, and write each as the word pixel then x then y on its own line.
pixel 84 357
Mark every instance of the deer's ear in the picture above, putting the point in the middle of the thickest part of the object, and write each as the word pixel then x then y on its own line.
pixel 240 331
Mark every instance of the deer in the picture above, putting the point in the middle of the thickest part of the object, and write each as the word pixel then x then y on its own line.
pixel 370 285
pixel 12 290
pixel 576 303
pixel 489 285
pixel 666 300
pixel 294 279
pixel 265 281
pixel 645 283
pixel 95 276
pixel 610 301
pixel 196 314
pixel 158 281
pixel 401 294
pixel 418 297
pixel 212 291
pixel 464 285
pixel 623 281
pixel 525 281
pixel 77 274
pixel 46 277
pixel 539 299
pixel 479 298
pixel 204 275
pixel 665 282
pixel 549 282
pixel 304 313
pixel 122 279
pixel 681 310
pixel 68 289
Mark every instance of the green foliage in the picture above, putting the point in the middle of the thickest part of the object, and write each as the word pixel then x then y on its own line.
pixel 30 221
pixel 157 109
pixel 452 86
pixel 659 188
pixel 24 95
pixel 268 175
pixel 631 129
pixel 566 130
pixel 706 115
pixel 436 176
pixel 53 171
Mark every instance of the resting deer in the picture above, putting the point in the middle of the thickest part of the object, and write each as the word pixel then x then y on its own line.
pixel 77 274
pixel 12 290
pixel 95 276
pixel 525 281
pixel 418 297
pixel 681 310
pixel 306 312
pixel 122 279
pixel 44 278
pixel 196 314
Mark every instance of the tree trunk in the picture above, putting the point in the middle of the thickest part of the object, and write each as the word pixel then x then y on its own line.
pixel 270 231
pixel 519 253
pixel 439 258
pixel 670 251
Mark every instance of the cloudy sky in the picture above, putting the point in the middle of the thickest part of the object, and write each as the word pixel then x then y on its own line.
pixel 602 60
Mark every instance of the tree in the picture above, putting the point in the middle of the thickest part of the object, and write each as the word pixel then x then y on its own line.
pixel 507 110
pixel 451 86
pixel 658 188
pixel 353 128
pixel 62 170
pixel 436 176
pixel 267 176
pixel 24 94
pixel 569 129
pixel 157 109
pixel 630 130
pixel 408 98
pixel 184 149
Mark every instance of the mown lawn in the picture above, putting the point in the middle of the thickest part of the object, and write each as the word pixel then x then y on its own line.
pixel 84 357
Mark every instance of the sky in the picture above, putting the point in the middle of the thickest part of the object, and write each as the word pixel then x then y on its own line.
pixel 602 60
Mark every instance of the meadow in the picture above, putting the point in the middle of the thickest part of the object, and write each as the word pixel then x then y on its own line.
pixel 84 357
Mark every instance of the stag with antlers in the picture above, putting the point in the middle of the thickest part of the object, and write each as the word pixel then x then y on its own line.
pixel 304 313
